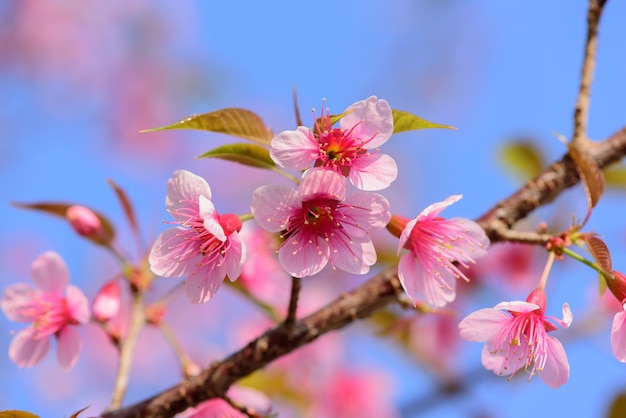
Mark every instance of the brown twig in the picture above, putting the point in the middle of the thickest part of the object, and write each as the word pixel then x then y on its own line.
pixel 296 285
pixel 581 110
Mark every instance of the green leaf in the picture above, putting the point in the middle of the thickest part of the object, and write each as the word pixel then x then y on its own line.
pixel 523 158
pixel 17 414
pixel 616 177
pixel 59 209
pixel 405 121
pixel 232 121
pixel 248 154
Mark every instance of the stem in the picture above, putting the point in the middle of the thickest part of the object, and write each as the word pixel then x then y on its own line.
pixel 127 348
pixel 296 285
pixel 589 263
pixel 546 271
pixel 183 358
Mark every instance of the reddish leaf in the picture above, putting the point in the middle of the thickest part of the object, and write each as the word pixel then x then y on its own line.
pixel 126 206
pixel 590 175
pixel 600 252
pixel 75 414
pixel 232 121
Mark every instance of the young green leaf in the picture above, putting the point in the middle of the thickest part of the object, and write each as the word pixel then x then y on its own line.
pixel 17 414
pixel 405 121
pixel 231 121
pixel 248 154
pixel 522 158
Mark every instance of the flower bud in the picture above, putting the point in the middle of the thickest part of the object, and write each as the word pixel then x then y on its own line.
pixel 108 301
pixel 84 221
pixel 617 285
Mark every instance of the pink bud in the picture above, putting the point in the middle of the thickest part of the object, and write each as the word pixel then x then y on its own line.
pixel 84 221
pixel 617 285
pixel 108 300
pixel 538 297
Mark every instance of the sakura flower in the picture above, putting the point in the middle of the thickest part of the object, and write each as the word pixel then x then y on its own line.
pixel 254 401
pixel 434 245
pixel 516 336
pixel 367 125
pixel 320 224
pixel 50 313
pixel 205 246
pixel 108 301
pixel 617 285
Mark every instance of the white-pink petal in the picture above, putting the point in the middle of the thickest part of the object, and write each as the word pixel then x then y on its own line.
pixel 211 222
pixel 370 118
pixel 483 324
pixel 25 350
pixel 14 298
pixel 294 149
pixel 416 281
pixel 183 191
pixel 272 205
pixel 170 247
pixel 373 171
pixel 203 284
pixel 517 306
pixel 556 370
pixel 234 257
pixel 618 336
pixel 69 345
pixel 50 273
pixel 77 304
pixel 355 256
pixel 432 211
pixel 321 181
pixel 310 258
pixel 369 210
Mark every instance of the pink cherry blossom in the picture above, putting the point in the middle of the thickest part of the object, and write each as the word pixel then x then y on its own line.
pixel 516 336
pixel 319 224
pixel 367 125
pixel 205 246
pixel 49 311
pixel 617 285
pixel 251 399
pixel 434 245
pixel 108 301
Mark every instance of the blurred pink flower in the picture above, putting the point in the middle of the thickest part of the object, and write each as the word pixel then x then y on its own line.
pixel 84 221
pixel 319 224
pixel 108 301
pixel 49 311
pixel 516 335
pixel 218 408
pixel 617 285
pixel 367 125
pixel 205 247
pixel 434 245
pixel 347 394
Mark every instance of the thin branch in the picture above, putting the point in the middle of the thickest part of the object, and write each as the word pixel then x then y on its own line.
pixel 296 285
pixel 127 349
pixel 581 110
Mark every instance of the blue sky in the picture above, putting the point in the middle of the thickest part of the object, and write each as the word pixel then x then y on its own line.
pixel 495 70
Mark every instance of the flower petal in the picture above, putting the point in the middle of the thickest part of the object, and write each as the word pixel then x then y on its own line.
pixel 618 336
pixel 556 370
pixel 17 297
pixel 354 256
pixel 373 171
pixel 294 149
pixel 432 211
pixel 174 254
pixel 302 260
pixel 50 273
pixel 368 211
pixel 272 205
pixel 416 281
pixel 211 221
pixel 203 284
pixel 483 324
pixel 369 118
pixel 77 304
pixel 517 306
pixel 25 350
pixel 234 257
pixel 69 345
pixel 322 182
pixel 183 191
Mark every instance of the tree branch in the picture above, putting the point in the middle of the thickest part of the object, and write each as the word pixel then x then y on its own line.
pixel 362 301
pixel 581 110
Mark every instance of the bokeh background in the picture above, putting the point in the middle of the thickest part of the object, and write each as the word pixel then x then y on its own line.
pixel 79 80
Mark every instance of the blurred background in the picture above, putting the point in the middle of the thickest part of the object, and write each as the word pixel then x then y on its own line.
pixel 79 80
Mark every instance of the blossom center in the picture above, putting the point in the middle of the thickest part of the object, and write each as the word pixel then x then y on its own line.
pixel 49 314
